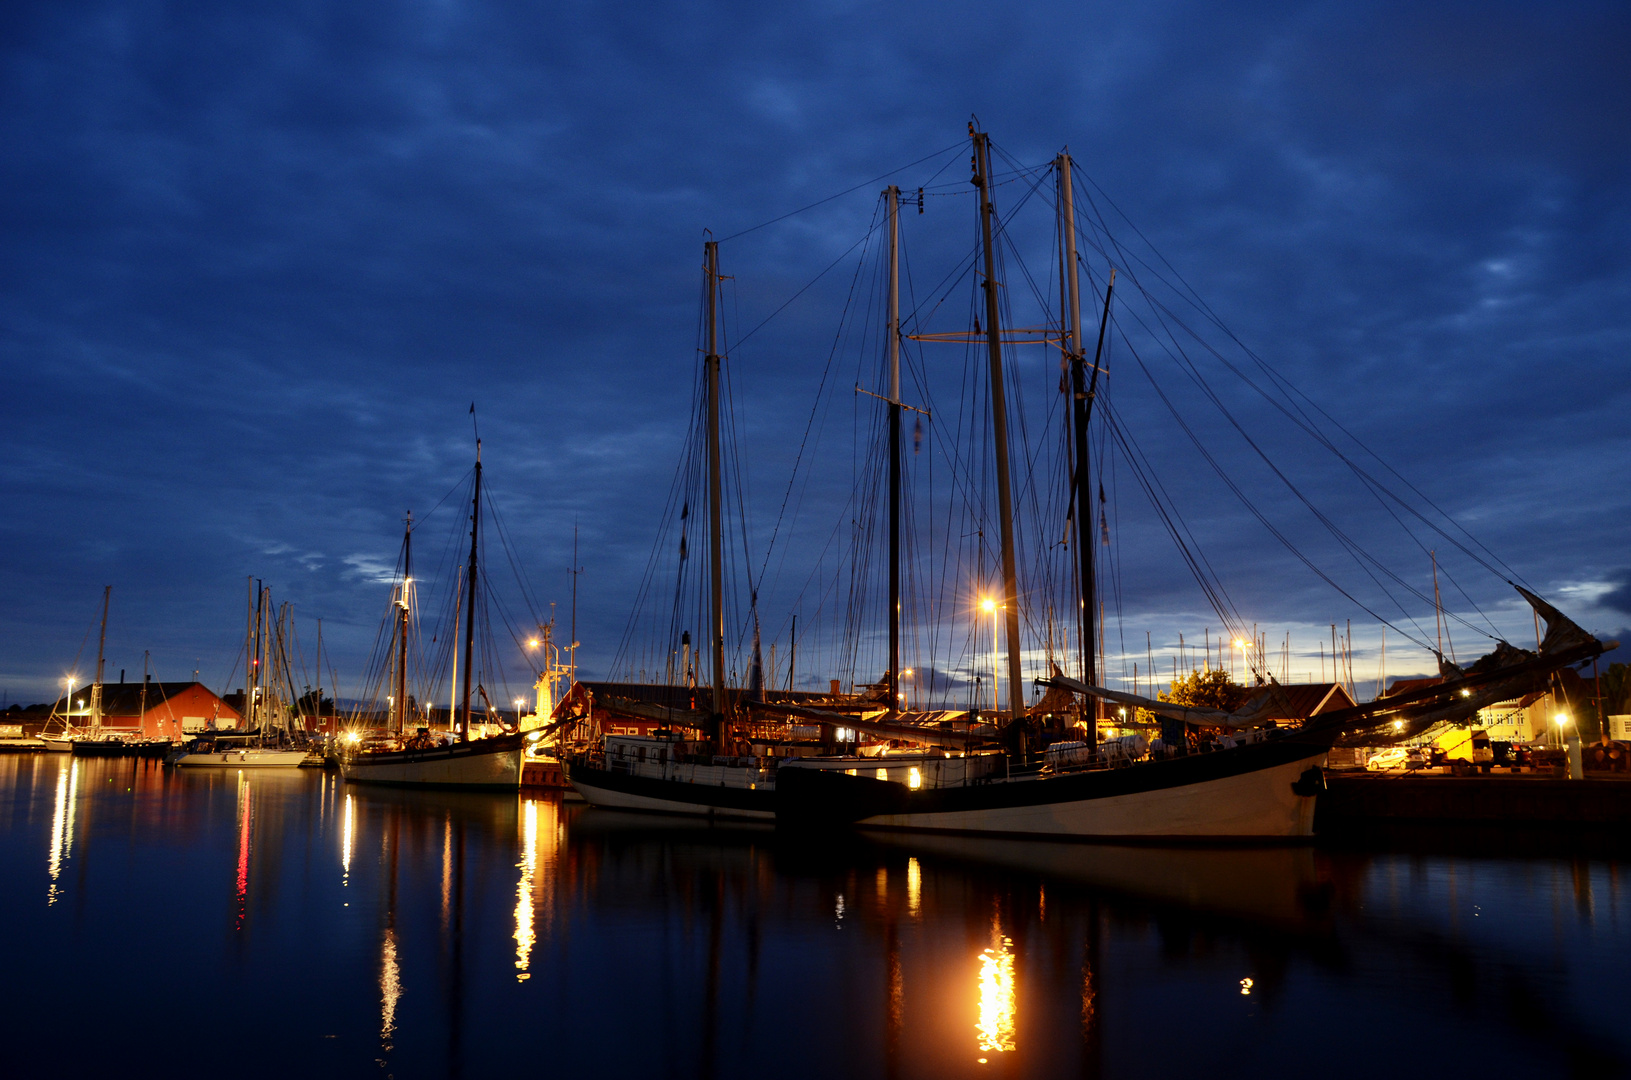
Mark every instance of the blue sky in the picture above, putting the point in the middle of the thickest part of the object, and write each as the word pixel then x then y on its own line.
pixel 260 259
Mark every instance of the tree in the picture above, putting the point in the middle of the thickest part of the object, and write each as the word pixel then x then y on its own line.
pixel 1209 689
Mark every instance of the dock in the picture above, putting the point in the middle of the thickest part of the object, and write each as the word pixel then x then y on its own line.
pixel 1359 800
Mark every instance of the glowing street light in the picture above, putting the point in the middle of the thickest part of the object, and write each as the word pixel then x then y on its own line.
pixel 989 606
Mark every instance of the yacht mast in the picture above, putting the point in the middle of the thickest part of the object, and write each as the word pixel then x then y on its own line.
pixel 999 420
pixel 402 628
pixel 247 720
pixel 893 197
pixel 715 530
pixel 101 648
pixel 470 597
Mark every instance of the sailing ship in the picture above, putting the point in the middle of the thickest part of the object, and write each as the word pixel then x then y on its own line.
pixel 1257 779
pixel 420 760
pixel 63 739
pixel 268 741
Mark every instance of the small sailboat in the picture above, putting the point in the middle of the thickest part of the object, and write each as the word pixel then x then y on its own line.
pixel 266 713
pixel 62 739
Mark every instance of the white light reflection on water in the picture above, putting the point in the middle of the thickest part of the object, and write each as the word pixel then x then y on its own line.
pixel 995 1026
pixel 524 933
pixel 914 886
pixel 348 836
pixel 390 987
pixel 62 826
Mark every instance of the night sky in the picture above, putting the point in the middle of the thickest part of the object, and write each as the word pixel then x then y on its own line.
pixel 260 260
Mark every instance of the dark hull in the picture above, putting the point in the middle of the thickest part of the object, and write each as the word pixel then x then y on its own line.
pixel 119 748
pixel 618 789
pixel 1259 791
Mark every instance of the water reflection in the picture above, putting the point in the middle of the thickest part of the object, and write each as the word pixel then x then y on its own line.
pixel 348 839
pixel 62 826
pixel 245 843
pixel 524 936
pixel 730 950
pixel 995 1026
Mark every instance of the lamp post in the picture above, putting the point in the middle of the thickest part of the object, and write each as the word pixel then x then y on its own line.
pixel 68 702
pixel 989 606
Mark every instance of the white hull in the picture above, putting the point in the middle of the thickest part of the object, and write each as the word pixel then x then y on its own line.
pixel 499 768
pixel 60 744
pixel 245 759
pixel 1254 805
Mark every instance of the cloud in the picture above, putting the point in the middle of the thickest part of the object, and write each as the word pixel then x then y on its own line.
pixel 1618 597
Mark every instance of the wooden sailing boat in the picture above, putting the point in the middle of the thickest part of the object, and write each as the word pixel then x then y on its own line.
pixel 493 763
pixel 1262 787
pixel 668 773
pixel 1259 784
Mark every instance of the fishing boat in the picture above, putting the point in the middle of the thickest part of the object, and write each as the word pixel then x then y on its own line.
pixel 453 760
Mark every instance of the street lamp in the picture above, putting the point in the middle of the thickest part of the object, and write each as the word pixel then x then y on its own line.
pixel 989 606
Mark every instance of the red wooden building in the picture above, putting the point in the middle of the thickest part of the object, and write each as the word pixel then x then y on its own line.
pixel 153 709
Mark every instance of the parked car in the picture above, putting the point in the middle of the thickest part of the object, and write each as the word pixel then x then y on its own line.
pixel 1392 757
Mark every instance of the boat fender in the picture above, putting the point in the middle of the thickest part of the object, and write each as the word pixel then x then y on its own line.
pixel 1310 783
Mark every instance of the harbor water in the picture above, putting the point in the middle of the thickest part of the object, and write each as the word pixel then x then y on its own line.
pixel 279 923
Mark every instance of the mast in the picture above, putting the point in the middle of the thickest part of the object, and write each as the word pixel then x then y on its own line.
pixel 402 628
pixel 453 683
pixel 715 529
pixel 999 419
pixel 1082 393
pixel 893 196
pixel 101 648
pixel 246 722
pixel 470 597
pixel 141 712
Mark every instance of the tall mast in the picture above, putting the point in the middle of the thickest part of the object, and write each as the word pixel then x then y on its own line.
pixel 101 648
pixel 715 529
pixel 453 683
pixel 248 719
pixel 1081 413
pixel 257 704
pixel 470 598
pixel 893 195
pixel 999 420
pixel 402 628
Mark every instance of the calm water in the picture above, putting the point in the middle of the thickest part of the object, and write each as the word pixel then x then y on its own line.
pixel 282 924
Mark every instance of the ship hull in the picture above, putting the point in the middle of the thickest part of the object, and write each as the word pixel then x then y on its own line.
pixel 250 758
pixel 619 790
pixel 493 764
pixel 1262 792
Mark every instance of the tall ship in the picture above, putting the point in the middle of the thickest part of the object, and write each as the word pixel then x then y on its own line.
pixel 1084 760
pixel 408 753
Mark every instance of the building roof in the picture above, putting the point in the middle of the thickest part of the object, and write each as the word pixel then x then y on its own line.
pixel 1311 699
pixel 1401 686
pixel 125 699
pixel 679 697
